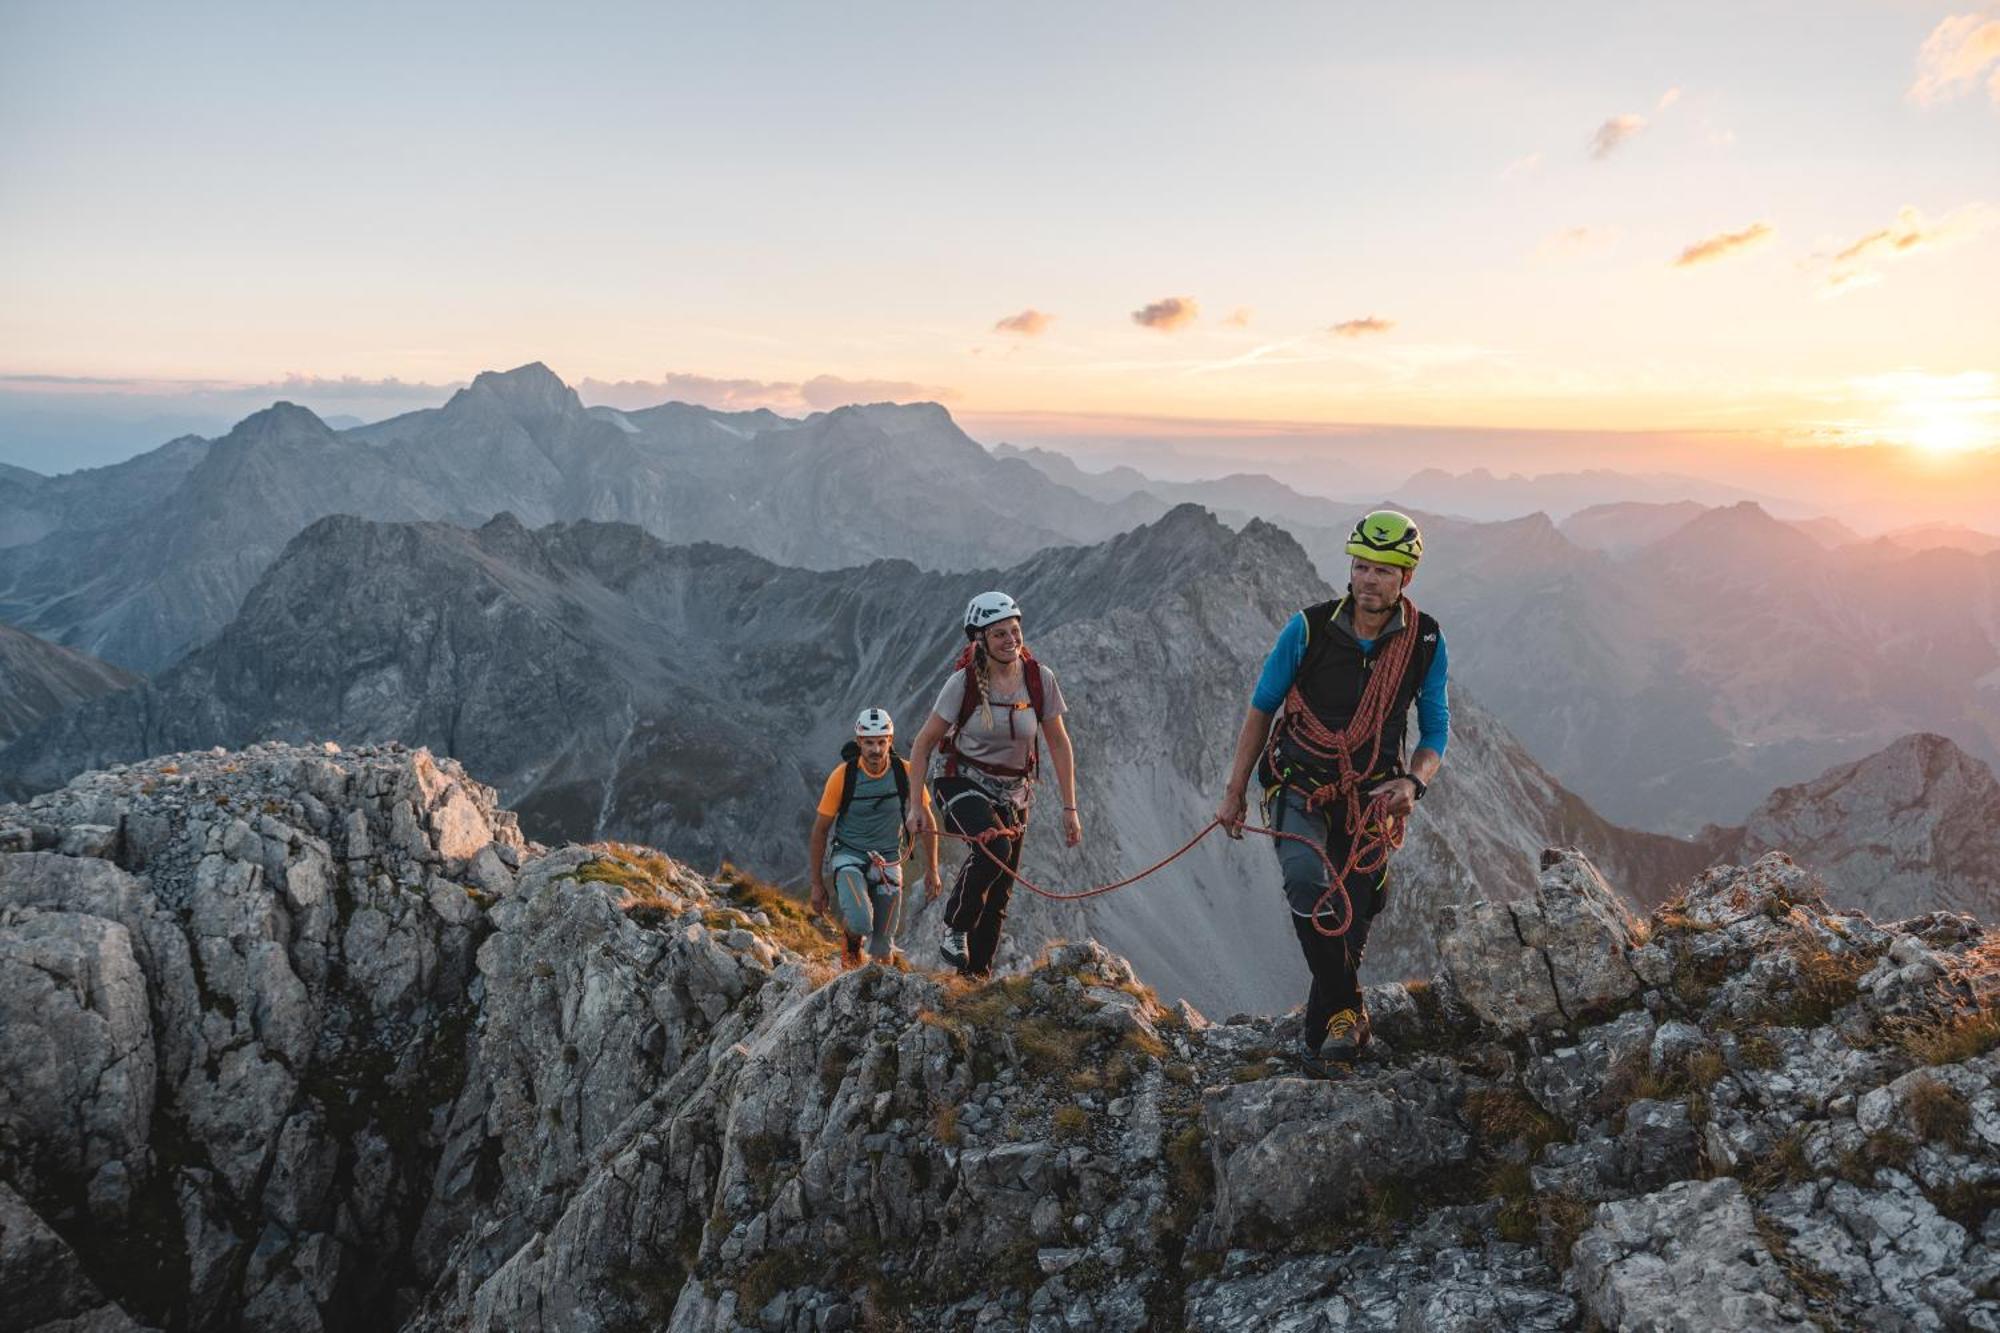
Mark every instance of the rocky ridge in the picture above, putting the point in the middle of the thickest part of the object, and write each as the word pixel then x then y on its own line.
pixel 314 1040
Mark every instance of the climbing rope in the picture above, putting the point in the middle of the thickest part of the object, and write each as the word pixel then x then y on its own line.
pixel 1372 832
pixel 1335 890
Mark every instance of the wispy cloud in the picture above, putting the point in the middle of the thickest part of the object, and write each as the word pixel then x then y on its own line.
pixel 1724 244
pixel 1858 263
pixel 1574 241
pixel 316 387
pixel 1239 318
pixel 1613 133
pixel 1030 323
pixel 1667 99
pixel 1955 56
pixel 819 393
pixel 1363 327
pixel 826 391
pixel 1167 314
pixel 1521 166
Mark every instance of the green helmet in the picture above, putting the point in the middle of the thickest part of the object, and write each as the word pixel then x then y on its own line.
pixel 1387 538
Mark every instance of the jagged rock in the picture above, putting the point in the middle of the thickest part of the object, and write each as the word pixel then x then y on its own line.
pixel 1287 1151
pixel 1685 1259
pixel 1545 961
pixel 1726 894
pixel 1571 1081
pixel 1432 1283
pixel 522 1089
pixel 255 1030
pixel 1897 1262
pixel 46 1287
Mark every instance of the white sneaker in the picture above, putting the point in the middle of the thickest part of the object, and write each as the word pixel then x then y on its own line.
pixel 952 948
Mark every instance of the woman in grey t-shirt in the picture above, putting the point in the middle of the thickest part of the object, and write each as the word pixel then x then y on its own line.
pixel 983 777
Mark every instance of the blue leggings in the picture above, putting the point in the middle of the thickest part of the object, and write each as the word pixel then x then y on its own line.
pixel 870 901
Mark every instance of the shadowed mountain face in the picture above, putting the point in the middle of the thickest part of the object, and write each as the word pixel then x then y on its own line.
pixel 1678 662
pixel 1913 828
pixel 140 563
pixel 39 679
pixel 694 697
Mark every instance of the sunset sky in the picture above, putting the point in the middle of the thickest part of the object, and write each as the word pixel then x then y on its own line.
pixel 1740 221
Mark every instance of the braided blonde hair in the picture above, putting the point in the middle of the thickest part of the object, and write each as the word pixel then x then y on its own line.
pixel 978 677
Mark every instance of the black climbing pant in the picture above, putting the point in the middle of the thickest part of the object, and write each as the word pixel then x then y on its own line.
pixel 1335 962
pixel 977 903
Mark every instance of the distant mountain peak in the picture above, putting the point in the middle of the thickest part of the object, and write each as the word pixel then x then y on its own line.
pixel 532 390
pixel 280 419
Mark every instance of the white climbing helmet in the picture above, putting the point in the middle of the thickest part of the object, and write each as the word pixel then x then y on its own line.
pixel 874 722
pixel 989 608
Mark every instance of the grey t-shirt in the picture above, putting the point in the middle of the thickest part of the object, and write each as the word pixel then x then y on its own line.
pixel 1001 732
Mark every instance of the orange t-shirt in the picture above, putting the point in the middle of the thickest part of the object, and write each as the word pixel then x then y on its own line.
pixel 829 796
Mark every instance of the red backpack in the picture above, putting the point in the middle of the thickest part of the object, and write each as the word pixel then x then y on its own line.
pixel 968 701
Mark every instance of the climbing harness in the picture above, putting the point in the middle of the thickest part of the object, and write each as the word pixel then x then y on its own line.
pixel 968 704
pixel 1373 833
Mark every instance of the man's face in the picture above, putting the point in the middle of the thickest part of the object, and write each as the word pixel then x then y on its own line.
pixel 1375 586
pixel 1004 639
pixel 874 749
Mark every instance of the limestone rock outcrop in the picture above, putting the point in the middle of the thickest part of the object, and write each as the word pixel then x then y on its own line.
pixel 303 1039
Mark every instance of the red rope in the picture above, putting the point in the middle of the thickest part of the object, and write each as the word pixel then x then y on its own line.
pixel 1337 888
pixel 1372 832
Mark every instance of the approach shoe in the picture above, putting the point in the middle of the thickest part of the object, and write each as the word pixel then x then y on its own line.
pixel 952 948
pixel 1348 1033
pixel 851 955
pixel 1314 1064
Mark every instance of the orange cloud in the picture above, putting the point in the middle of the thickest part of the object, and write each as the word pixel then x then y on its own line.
pixel 1955 56
pixel 1614 132
pixel 826 391
pixel 1359 328
pixel 1030 323
pixel 1911 233
pixel 1727 243
pixel 1908 232
pixel 740 395
pixel 1239 318
pixel 1167 314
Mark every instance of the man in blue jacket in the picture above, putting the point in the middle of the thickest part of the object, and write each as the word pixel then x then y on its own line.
pixel 1312 686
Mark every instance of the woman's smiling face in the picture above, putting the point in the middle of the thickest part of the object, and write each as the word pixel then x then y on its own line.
pixel 1003 641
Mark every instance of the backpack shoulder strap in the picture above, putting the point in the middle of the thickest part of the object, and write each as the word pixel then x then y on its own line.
pixel 967 700
pixel 901 768
pixel 850 775
pixel 1031 675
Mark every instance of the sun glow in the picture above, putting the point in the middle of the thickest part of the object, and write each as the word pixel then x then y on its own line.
pixel 1937 415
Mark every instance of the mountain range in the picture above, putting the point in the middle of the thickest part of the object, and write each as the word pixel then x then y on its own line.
pixel 1673 661
pixel 141 562
pixel 612 685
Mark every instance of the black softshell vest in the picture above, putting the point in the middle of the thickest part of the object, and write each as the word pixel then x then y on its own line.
pixel 1334 672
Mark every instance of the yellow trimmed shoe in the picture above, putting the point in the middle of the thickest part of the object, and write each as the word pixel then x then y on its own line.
pixel 1347 1035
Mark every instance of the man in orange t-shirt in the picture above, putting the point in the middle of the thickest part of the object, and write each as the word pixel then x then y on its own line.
pixel 862 807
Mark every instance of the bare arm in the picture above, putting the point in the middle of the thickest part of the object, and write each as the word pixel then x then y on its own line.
pixel 1249 745
pixel 816 850
pixel 919 818
pixel 1063 755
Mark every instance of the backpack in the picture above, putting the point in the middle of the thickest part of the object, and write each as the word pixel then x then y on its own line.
pixel 850 753
pixel 968 703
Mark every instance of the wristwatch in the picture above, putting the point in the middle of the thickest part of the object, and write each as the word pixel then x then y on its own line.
pixel 1419 784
